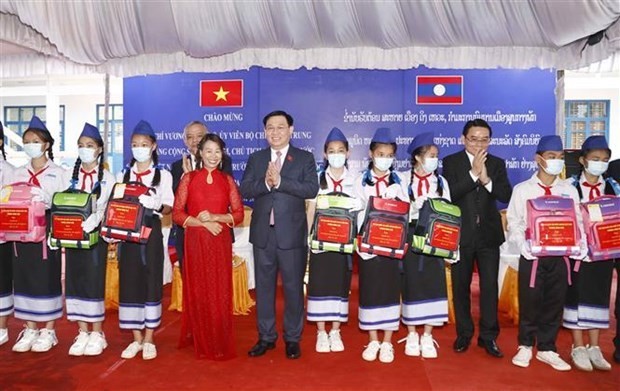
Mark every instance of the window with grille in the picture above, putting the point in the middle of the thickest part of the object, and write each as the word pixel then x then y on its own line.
pixel 17 118
pixel 114 144
pixel 585 118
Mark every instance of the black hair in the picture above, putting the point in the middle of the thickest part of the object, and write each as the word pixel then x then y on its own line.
pixel 420 151
pixel 46 137
pixel 2 138
pixel 78 164
pixel 368 177
pixel 214 138
pixel 155 158
pixel 477 122
pixel 322 179
pixel 277 113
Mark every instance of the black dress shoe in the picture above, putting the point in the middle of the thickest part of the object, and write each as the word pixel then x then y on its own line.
pixel 292 350
pixel 491 348
pixel 617 356
pixel 461 344
pixel 261 348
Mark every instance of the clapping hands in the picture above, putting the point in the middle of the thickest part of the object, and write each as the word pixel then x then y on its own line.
pixel 272 176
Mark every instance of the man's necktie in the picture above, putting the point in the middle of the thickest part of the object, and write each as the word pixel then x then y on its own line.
pixel 278 164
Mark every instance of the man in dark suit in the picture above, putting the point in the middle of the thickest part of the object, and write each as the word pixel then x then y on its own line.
pixel 279 179
pixel 614 171
pixel 192 134
pixel 477 180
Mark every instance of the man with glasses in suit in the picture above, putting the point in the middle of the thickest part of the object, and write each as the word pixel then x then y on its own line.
pixel 477 180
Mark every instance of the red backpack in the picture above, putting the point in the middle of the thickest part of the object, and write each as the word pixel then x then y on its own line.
pixel 21 218
pixel 384 231
pixel 125 218
pixel 601 220
pixel 552 226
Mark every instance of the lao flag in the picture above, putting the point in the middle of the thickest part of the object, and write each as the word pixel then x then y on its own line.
pixel 439 90
pixel 221 93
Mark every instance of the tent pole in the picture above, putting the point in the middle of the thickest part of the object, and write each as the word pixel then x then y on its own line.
pixel 106 120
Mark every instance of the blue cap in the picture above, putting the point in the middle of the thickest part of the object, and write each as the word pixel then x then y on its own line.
pixel 335 135
pixel 421 140
pixel 91 132
pixel 144 128
pixel 36 123
pixel 594 142
pixel 383 136
pixel 549 143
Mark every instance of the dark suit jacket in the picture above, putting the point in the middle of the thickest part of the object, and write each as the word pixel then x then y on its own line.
pixel 298 182
pixel 465 193
pixel 177 170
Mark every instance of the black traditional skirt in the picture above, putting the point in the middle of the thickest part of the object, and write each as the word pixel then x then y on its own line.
pixel 328 288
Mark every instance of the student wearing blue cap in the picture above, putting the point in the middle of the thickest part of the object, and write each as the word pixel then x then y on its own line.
pixel 587 299
pixel 425 297
pixel 541 305
pixel 36 266
pixel 6 272
pixel 141 265
pixel 85 268
pixel 379 276
pixel 330 272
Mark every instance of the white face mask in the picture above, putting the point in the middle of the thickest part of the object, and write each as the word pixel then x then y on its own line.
pixel 430 164
pixel 554 166
pixel 596 168
pixel 336 160
pixel 141 154
pixel 383 163
pixel 87 155
pixel 33 150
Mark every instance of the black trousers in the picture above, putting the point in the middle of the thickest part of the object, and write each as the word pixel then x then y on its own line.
pixel 617 309
pixel 292 265
pixel 487 260
pixel 541 307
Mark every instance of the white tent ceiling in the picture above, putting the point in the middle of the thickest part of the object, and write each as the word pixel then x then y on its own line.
pixel 131 37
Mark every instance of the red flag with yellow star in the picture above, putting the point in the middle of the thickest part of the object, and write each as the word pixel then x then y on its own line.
pixel 221 93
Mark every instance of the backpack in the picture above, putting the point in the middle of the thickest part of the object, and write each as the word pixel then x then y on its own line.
pixel 335 225
pixel 21 218
pixel 438 230
pixel 552 226
pixel 601 218
pixel 384 231
pixel 69 209
pixel 125 218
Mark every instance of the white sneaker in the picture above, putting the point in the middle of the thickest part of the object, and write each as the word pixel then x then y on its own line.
pixel 96 344
pixel 4 336
pixel 386 353
pixel 552 358
pixel 412 346
pixel 45 341
pixel 371 351
pixel 131 350
pixel 427 346
pixel 149 351
pixel 79 344
pixel 25 339
pixel 523 357
pixel 596 357
pixel 322 342
pixel 580 358
pixel 335 341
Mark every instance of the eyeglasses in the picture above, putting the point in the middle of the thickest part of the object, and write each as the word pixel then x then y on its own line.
pixel 279 129
pixel 474 140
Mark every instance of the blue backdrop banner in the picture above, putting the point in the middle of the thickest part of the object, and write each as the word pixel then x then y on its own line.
pixel 518 104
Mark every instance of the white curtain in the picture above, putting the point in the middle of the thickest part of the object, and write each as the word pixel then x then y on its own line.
pixel 127 38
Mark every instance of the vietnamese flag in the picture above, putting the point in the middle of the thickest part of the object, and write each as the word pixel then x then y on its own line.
pixel 221 93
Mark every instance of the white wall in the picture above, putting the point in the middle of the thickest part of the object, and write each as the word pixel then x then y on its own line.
pixel 598 87
pixel 80 95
